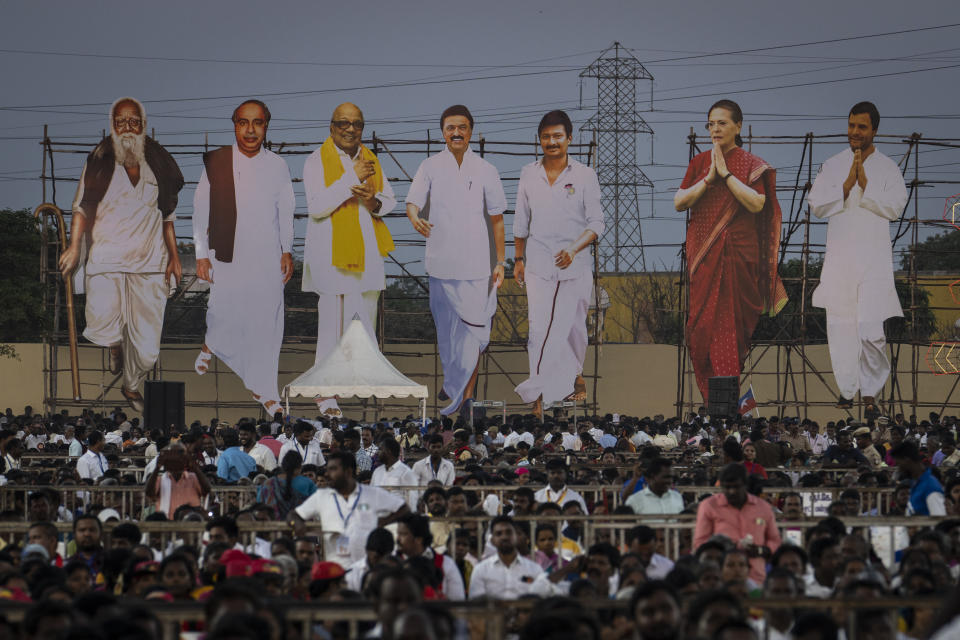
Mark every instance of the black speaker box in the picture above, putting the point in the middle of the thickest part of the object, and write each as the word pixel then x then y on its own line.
pixel 724 396
pixel 163 404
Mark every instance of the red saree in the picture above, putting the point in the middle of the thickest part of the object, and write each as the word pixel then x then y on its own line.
pixel 732 262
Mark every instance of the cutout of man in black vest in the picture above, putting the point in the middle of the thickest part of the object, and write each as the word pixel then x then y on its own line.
pixel 122 231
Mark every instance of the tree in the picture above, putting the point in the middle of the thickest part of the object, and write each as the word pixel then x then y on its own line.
pixel 407 313
pixel 22 316
pixel 940 252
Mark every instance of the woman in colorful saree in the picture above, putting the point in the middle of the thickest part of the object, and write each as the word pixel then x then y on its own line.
pixel 733 242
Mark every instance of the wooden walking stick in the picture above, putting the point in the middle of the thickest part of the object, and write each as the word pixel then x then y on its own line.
pixel 49 208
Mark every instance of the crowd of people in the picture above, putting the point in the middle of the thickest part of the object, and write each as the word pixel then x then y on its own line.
pixel 609 527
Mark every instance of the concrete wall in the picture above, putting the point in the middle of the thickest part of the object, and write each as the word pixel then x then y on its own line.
pixel 636 380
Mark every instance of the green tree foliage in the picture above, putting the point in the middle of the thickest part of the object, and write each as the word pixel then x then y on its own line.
pixel 940 252
pixel 407 311
pixel 786 325
pixel 22 316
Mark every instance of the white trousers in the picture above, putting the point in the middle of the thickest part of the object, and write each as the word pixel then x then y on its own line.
pixel 245 323
pixel 858 354
pixel 126 309
pixel 334 313
pixel 557 337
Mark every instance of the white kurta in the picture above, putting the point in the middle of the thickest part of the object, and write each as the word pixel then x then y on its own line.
pixel 126 293
pixel 456 199
pixel 245 310
pixel 342 293
pixel 551 218
pixel 856 283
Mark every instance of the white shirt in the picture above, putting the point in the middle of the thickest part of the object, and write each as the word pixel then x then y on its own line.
pixel 641 438
pixel 31 441
pixel 455 198
pixel 513 438
pixel 311 454
pixel 263 456
pixel 561 497
pixel 113 437
pixel 552 217
pixel 646 502
pixel 347 522
pixel 399 475
pixel 75 448
pixel 272 199
pixel 127 234
pixel 92 465
pixel 857 270
pixel 493 578
pixel 818 444
pixel 571 442
pixel 319 274
pixel 659 567
pixel 355 574
pixel 423 469
pixel 453 583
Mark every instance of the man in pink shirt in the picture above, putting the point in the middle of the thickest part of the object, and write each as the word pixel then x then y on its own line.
pixel 171 485
pixel 747 520
pixel 267 440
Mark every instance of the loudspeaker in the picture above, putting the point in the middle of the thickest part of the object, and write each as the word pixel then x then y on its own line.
pixel 724 396
pixel 162 404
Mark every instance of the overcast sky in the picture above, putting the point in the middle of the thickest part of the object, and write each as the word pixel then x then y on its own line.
pixel 64 62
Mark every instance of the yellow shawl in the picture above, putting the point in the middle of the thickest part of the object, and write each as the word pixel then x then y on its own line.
pixel 348 250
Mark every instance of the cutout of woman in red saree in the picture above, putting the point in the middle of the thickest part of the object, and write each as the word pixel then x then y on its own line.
pixel 733 244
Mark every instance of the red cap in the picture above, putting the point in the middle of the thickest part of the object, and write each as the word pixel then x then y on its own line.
pixel 326 571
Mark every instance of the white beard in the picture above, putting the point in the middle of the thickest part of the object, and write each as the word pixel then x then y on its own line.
pixel 128 148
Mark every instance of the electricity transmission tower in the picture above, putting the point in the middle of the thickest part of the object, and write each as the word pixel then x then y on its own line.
pixel 616 125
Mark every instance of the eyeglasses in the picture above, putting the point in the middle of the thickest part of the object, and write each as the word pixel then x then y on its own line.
pixel 133 123
pixel 715 123
pixel 343 125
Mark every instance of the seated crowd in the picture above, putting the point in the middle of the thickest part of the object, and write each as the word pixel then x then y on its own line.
pixel 613 527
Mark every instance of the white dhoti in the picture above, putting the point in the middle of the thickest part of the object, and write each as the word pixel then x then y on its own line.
pixel 334 313
pixel 126 309
pixel 463 313
pixel 557 338
pixel 245 322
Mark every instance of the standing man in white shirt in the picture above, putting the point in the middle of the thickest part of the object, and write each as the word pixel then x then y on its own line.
pixel 93 464
pixel 434 466
pixel 570 440
pixel 657 497
pixel 260 453
pixel 303 443
pixel 69 438
pixel 455 191
pixel 557 490
pixel 347 197
pixel 860 191
pixel 393 473
pixel 558 215
pixel 507 575
pixel 124 212
pixel 347 511
pixel 243 238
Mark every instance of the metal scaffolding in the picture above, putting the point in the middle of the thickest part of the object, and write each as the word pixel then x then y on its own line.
pixel 790 330
pixel 183 321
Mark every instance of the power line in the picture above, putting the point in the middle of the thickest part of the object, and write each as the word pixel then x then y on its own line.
pixel 806 44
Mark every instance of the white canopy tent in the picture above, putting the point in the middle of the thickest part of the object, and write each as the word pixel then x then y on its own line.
pixel 356 368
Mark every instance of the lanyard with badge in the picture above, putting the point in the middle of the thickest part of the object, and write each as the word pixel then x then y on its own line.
pixel 343 540
pixel 305 449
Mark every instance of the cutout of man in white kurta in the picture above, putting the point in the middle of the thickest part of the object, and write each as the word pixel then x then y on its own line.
pixel 245 309
pixel 859 192
pixel 459 189
pixel 558 215
pixel 343 293
pixel 124 211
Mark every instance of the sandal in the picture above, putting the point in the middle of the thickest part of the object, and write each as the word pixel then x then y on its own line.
pixel 202 363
